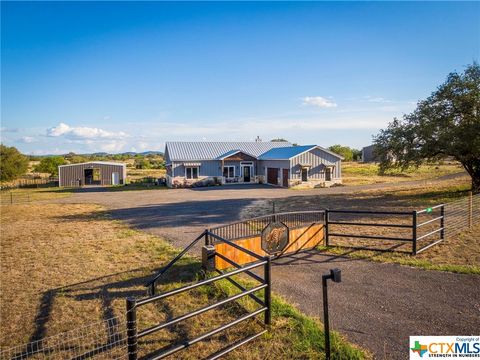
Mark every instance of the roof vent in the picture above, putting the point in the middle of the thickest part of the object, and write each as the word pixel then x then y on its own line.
pixel 258 139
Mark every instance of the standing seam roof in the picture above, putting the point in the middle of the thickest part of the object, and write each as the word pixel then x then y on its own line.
pixel 205 150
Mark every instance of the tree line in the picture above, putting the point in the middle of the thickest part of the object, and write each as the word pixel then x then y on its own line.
pixel 14 164
pixel 446 124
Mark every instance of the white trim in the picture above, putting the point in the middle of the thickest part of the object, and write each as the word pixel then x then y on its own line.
pixel 228 172
pixel 252 171
pixel 96 162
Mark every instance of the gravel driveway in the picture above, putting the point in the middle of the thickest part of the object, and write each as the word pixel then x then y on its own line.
pixel 376 306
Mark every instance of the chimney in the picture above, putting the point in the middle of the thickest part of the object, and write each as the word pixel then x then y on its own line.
pixel 258 139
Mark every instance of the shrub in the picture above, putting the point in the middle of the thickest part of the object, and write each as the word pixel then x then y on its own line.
pixel 12 163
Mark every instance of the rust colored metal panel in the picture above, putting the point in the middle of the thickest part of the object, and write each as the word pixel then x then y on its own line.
pixel 272 176
pixel 286 174
pixel 240 156
pixel 301 238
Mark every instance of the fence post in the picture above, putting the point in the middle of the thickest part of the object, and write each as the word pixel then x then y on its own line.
pixel 336 276
pixel 470 209
pixel 11 197
pixel 414 232
pixel 268 290
pixel 131 329
pixel 327 240
pixel 207 239
pixel 442 222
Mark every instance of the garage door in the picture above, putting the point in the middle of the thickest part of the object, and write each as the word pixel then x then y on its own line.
pixel 272 176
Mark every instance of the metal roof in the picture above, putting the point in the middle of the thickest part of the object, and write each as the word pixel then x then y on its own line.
pixel 96 162
pixel 207 150
pixel 233 152
pixel 290 152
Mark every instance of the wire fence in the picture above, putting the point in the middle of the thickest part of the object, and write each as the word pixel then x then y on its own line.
pixel 14 198
pixel 108 339
pixel 102 340
pixel 461 215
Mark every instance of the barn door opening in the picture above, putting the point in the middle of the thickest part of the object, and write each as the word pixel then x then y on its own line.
pixel 304 174
pixel 88 176
pixel 328 174
pixel 93 176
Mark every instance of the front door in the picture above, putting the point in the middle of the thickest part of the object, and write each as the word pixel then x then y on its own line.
pixel 247 174
pixel 328 174
pixel 285 177
pixel 304 174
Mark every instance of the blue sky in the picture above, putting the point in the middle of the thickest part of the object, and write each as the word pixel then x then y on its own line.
pixel 122 76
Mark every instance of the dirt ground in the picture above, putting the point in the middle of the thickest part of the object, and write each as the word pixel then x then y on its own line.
pixel 70 267
pixel 181 214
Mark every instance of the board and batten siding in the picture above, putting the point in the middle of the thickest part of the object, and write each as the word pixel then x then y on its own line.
pixel 318 160
pixel 206 168
pixel 279 164
pixel 70 174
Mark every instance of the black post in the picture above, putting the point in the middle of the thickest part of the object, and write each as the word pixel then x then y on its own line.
pixel 152 289
pixel 268 291
pixel 336 276
pixel 327 240
pixel 131 329
pixel 442 222
pixel 207 240
pixel 414 232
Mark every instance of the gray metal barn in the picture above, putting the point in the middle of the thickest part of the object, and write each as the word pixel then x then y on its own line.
pixel 97 173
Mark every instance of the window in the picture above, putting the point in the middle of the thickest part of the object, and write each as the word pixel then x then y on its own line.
pixel 229 171
pixel 191 172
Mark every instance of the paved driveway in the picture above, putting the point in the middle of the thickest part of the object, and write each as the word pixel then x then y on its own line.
pixel 377 305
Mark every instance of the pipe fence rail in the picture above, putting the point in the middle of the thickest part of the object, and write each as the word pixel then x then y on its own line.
pixel 254 226
pixel 132 305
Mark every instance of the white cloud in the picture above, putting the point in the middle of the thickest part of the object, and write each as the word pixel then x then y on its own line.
pixel 318 101
pixel 27 139
pixel 377 99
pixel 83 132
pixel 112 146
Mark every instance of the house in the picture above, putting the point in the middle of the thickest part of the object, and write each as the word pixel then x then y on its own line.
pixel 98 173
pixel 368 154
pixel 275 163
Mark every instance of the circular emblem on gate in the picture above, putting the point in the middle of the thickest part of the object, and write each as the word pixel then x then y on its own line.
pixel 274 237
